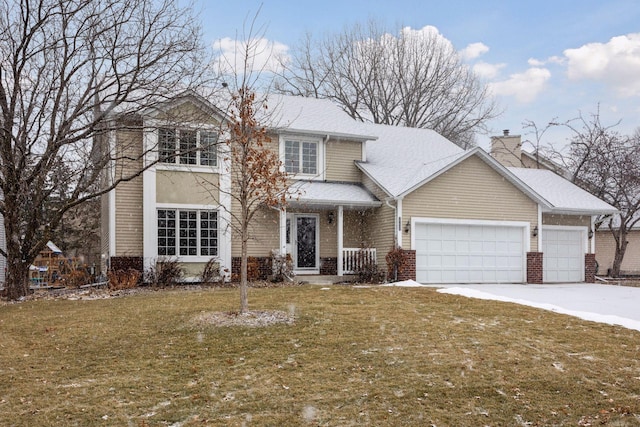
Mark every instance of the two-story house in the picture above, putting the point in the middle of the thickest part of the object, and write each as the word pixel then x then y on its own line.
pixel 460 216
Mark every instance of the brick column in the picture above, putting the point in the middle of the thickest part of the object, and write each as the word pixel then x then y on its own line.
pixel 408 272
pixel 589 268
pixel 534 267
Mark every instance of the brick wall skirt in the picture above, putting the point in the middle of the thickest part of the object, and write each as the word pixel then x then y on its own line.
pixel 534 267
pixel 258 268
pixel 125 263
pixel 589 268
pixel 329 266
pixel 408 272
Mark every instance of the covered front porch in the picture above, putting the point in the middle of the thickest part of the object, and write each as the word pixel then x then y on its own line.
pixel 323 228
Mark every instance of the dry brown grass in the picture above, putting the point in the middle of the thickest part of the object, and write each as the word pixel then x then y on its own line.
pixel 378 356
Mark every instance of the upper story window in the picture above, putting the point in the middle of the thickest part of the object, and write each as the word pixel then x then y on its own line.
pixel 188 147
pixel 301 157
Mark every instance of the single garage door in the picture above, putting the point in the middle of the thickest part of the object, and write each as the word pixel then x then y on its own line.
pixel 563 254
pixel 469 253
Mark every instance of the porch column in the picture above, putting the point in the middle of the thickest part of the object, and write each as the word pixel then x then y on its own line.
pixel 283 232
pixel 592 241
pixel 340 238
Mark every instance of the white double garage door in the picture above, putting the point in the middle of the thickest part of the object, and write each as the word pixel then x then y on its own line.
pixel 452 251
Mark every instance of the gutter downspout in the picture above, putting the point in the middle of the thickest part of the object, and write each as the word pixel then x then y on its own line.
pixel 397 225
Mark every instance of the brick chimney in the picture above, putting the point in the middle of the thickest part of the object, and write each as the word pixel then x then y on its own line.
pixel 506 149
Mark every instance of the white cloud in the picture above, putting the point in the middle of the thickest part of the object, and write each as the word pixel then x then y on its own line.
pixel 473 51
pixel 525 87
pixel 487 71
pixel 264 55
pixel 615 63
pixel 535 62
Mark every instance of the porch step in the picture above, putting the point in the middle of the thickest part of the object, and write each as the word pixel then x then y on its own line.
pixel 323 280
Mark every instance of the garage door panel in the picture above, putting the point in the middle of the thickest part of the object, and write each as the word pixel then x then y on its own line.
pixel 469 253
pixel 563 259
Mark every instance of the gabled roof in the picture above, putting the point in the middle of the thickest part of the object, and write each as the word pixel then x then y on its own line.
pixel 563 195
pixel 404 157
pixel 331 194
pixel 312 116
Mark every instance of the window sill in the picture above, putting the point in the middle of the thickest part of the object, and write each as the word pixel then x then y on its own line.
pixel 188 259
pixel 187 168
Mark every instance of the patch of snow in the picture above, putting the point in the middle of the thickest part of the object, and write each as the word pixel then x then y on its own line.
pixel 609 319
pixel 406 284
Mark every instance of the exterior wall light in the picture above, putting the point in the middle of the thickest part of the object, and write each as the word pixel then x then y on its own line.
pixel 534 232
pixel 330 217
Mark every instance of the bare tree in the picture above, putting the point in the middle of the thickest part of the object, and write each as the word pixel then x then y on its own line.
pixel 607 164
pixel 258 178
pixel 414 79
pixel 66 67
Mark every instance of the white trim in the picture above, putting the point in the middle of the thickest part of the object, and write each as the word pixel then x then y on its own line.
pixel 525 225
pixel 321 154
pixel 593 238
pixel 363 156
pixel 340 238
pixel 112 223
pixel 283 232
pixel 540 231
pixel 184 206
pixel 149 218
pixel 294 245
pixel 398 225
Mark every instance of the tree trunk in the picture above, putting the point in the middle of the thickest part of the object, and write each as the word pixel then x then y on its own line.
pixel 244 300
pixel 621 248
pixel 17 274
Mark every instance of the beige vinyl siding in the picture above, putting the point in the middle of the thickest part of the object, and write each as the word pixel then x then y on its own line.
pixel 129 194
pixel 263 233
pixel 264 227
pixel 469 190
pixel 354 228
pixel 192 269
pixel 340 157
pixel 606 249
pixel 571 220
pixel 379 223
pixel 187 187
pixel 188 113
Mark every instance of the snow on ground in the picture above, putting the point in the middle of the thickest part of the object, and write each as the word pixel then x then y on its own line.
pixel 613 305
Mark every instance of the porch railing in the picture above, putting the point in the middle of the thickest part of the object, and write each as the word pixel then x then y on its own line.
pixel 354 258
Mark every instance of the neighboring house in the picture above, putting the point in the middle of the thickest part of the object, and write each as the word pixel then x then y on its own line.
pixel 507 149
pixel 460 216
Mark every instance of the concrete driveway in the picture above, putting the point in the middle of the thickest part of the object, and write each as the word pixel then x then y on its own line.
pixel 618 305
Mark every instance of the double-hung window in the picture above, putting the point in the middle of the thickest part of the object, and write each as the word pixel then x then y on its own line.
pixel 301 157
pixel 187 232
pixel 188 147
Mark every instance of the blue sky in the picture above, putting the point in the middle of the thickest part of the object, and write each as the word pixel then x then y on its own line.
pixel 542 59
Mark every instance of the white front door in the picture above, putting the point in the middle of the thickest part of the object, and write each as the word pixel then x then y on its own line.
pixel 473 252
pixel 306 255
pixel 563 251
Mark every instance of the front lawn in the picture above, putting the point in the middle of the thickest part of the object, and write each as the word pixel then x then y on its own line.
pixel 355 356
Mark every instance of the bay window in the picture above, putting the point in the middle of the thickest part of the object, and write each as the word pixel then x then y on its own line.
pixel 187 232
